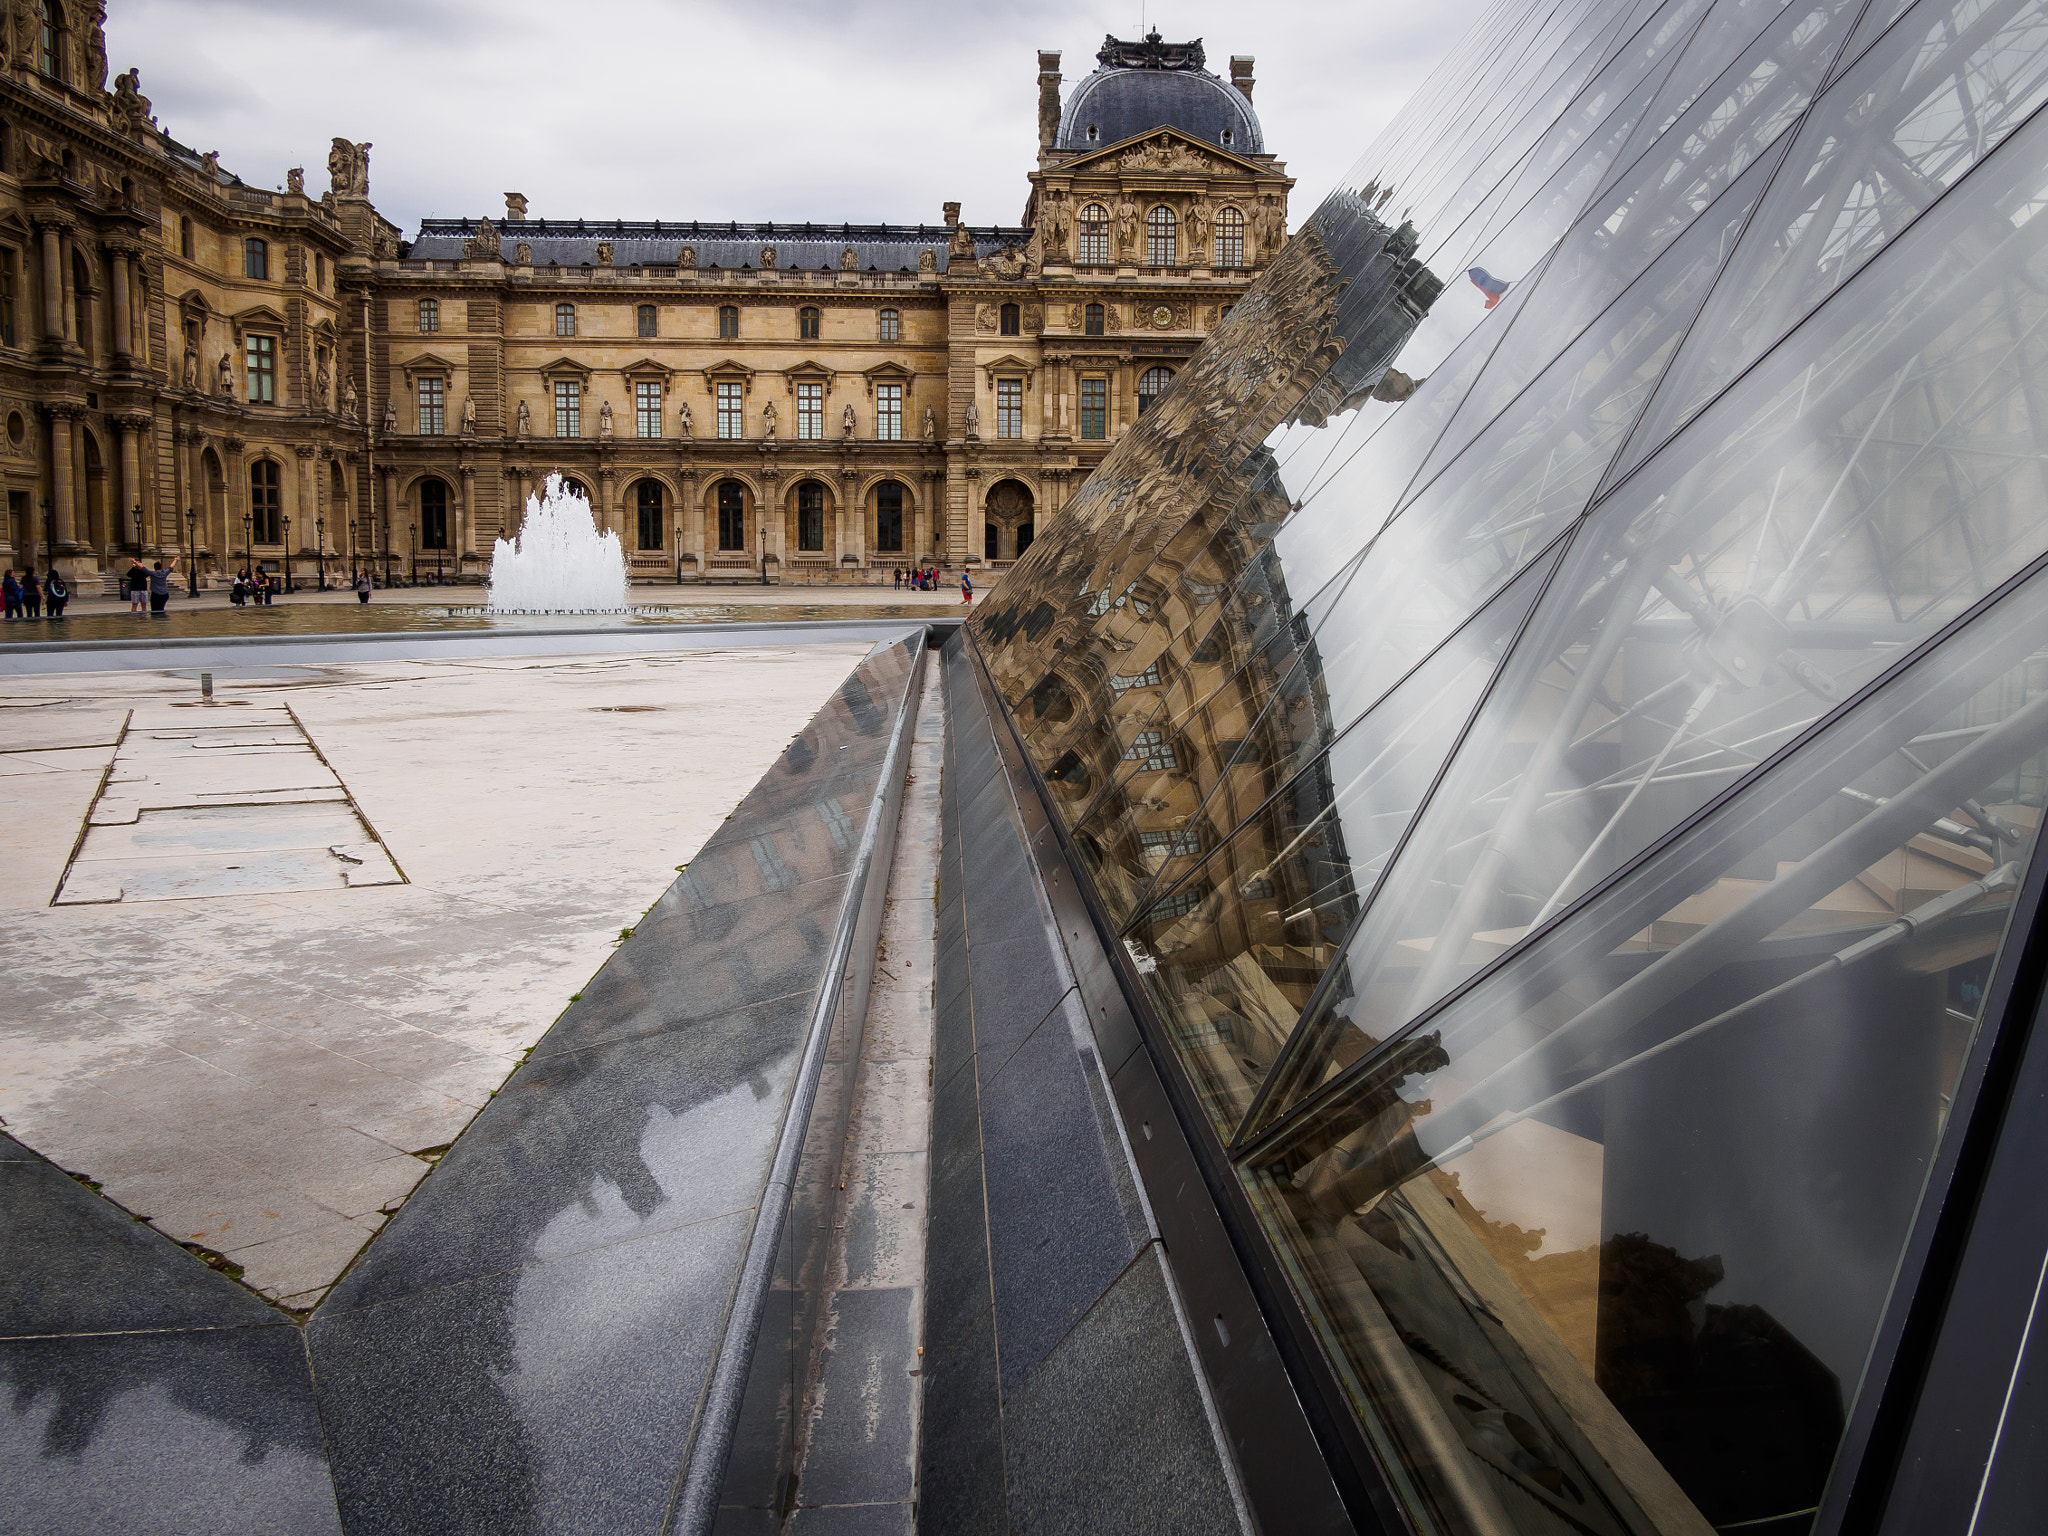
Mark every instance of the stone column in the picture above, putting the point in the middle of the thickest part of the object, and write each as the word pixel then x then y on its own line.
pixel 234 487
pixel 770 514
pixel 53 285
pixel 199 498
pixel 124 322
pixel 465 519
pixel 394 555
pixel 856 516
pixel 63 528
pixel 691 514
pixel 921 521
pixel 305 512
pixel 68 324
pixel 130 428
pixel 181 487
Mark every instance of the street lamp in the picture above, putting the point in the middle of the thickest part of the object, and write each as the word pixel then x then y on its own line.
pixel 320 548
pixel 249 542
pixel 137 514
pixel 412 531
pixel 192 551
pixel 286 525
pixel 48 525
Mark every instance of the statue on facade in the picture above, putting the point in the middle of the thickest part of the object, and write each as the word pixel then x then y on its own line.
pixel 209 167
pixel 348 168
pixel 488 241
pixel 604 253
pixel 525 428
pixel 320 384
pixel 768 419
pixel 1201 219
pixel 130 105
pixel 849 260
pixel 683 415
pixel 846 422
pixel 96 49
pixel 767 258
pixel 1126 226
pixel 348 401
pixel 686 258
pixel 604 422
pixel 390 417
pixel 224 382
pixel 931 425
pixel 191 369
pixel 963 241
pixel 295 181
pixel 973 422
pixel 927 261
pixel 522 253
pixel 469 415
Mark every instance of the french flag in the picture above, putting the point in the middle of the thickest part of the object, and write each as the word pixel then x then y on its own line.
pixel 1487 284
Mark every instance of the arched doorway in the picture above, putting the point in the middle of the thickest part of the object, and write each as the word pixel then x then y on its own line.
pixel 810 518
pixel 732 515
pixel 889 518
pixel 651 516
pixel 1008 509
pixel 97 531
pixel 213 511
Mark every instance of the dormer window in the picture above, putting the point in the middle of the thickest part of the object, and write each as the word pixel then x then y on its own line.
pixel 1092 135
pixel 1226 138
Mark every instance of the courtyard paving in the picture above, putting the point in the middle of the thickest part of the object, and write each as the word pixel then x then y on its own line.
pixel 263 959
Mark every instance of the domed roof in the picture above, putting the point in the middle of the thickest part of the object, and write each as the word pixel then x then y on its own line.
pixel 1139 87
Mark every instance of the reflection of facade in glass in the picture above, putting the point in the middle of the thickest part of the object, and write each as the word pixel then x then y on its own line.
pixel 1554 703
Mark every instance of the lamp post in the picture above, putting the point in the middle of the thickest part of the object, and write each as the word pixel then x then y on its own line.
pixel 137 515
pixel 286 525
pixel 46 535
pixel 191 552
pixel 320 548
pixel 249 542
pixel 412 533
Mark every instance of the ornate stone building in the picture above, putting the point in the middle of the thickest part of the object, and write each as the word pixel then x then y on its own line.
pixel 191 362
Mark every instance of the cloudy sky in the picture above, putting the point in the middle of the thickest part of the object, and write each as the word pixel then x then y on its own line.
pixel 831 110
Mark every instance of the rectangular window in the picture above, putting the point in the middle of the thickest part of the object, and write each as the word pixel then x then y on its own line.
pixel 732 518
pixel 260 359
pixel 728 322
pixel 1009 407
pixel 730 422
pixel 7 274
pixel 1185 844
pixel 255 258
pixel 647 408
pixel 889 517
pixel 646 319
pixel 1178 905
pixel 433 421
pixel 810 518
pixel 565 319
pixel 1230 239
pixel 1095 408
pixel 892 326
pixel 1152 750
pixel 889 413
pixel 1149 678
pixel 810 412
pixel 568 408
pixel 430 316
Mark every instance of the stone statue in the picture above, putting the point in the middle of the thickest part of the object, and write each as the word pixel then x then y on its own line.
pixel 973 421
pixel 348 401
pixel 767 258
pixel 191 368
pixel 469 415
pixel 931 425
pixel 963 241
pixel 130 105
pixel 686 258
pixel 849 260
pixel 525 420
pixel 96 49
pixel 295 181
pixel 985 316
pixel 927 261
pixel 488 240
pixel 604 422
pixel 1201 219
pixel 523 254
pixel 348 168
pixel 683 413
pixel 846 422
pixel 768 419
pixel 1054 223
pixel 209 167
pixel 320 384
pixel 390 417
pixel 1074 317
pixel 604 253
pixel 225 381
pixel 1127 226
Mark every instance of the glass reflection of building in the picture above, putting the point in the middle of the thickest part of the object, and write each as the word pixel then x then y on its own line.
pixel 1554 706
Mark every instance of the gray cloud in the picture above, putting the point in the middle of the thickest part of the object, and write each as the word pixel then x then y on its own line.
pixel 715 109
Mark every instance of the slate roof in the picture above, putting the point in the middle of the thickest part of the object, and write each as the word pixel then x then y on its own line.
pixel 725 245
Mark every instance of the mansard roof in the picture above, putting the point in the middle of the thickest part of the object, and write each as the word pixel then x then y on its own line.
pixel 727 245
pixel 1145 86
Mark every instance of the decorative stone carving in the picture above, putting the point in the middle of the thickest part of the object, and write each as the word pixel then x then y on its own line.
pixel 604 253
pixel 348 401
pixel 295 181
pixel 1126 227
pixel 985 316
pixel 849 260
pixel 683 414
pixel 96 49
pixel 1034 319
pixel 522 253
pixel 1112 319
pixel 1055 223
pixel 963 241
pixel 348 168
pixel 525 420
pixel 768 419
pixel 767 258
pixel 224 383
pixel 927 261
pixel 1164 154
pixel 191 369
pixel 1269 225
pixel 487 240
pixel 381 248
pixel 604 422
pixel 390 417
pixel 1201 219
pixel 469 415
pixel 973 422
pixel 320 384
pixel 931 424
pixel 846 422
pixel 131 107
pixel 1074 317
pixel 209 167
pixel 686 258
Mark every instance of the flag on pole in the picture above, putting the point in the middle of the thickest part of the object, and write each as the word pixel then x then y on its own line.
pixel 1493 287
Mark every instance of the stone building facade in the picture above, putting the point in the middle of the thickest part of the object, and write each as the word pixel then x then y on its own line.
pixel 191 363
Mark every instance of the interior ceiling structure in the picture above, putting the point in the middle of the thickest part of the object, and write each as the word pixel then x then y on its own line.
pixel 1553 700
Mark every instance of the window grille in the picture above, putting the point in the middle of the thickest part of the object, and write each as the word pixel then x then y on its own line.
pixel 255 258
pixel 810 412
pixel 1092 320
pixel 1094 238
pixel 1149 678
pixel 730 423
pixel 1162 237
pixel 433 407
pixel 1152 750
pixel 1095 408
pixel 433 514
pixel 647 407
pixel 646 319
pixel 732 515
pixel 810 518
pixel 1009 407
pixel 649 499
pixel 1184 844
pixel 1010 320
pixel 565 319
pixel 807 324
pixel 568 408
pixel 1230 238
pixel 892 326
pixel 728 322
pixel 266 501
pixel 259 355
pixel 430 316
pixel 1152 384
pixel 889 413
pixel 1180 904
pixel 889 517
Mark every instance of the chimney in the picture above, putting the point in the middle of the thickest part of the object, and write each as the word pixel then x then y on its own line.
pixel 515 207
pixel 1048 99
pixel 1241 73
pixel 952 214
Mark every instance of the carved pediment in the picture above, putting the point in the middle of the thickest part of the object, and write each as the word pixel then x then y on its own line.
pixel 1161 152
pixel 565 367
pixel 1010 364
pixel 730 370
pixel 261 316
pixel 887 373
pixel 648 368
pixel 426 363
pixel 808 372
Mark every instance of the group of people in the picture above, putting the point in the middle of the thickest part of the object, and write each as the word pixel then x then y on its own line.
pixel 925 578
pixel 27 597
pixel 150 584
pixel 258 587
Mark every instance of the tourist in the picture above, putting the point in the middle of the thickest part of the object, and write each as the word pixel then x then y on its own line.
pixel 57 593
pixel 31 595
pixel 136 584
pixel 363 587
pixel 966 588
pixel 160 588
pixel 238 589
pixel 10 589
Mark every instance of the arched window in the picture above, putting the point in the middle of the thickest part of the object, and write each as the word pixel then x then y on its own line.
pixel 889 517
pixel 433 513
pixel 255 258
pixel 47 39
pixel 185 238
pixel 646 318
pixel 810 518
pixel 892 326
pixel 1023 538
pixel 651 531
pixel 732 515
pixel 1152 385
pixel 565 319
pixel 807 323
pixel 1162 238
pixel 1230 238
pixel 728 322
pixel 1094 243
pixel 1092 320
pixel 1011 321
pixel 266 502
pixel 430 316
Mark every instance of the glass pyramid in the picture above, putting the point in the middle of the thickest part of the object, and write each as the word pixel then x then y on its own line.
pixel 1554 702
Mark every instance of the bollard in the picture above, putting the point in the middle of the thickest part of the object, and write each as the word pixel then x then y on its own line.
pixel 206 686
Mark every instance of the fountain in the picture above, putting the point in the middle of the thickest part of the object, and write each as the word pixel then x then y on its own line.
pixel 559 562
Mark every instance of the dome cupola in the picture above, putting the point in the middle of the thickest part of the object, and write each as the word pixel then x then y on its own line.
pixel 1138 88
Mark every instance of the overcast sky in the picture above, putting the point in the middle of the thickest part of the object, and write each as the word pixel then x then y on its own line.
pixel 862 110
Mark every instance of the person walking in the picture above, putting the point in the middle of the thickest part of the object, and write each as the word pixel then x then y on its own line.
pixel 136 582
pixel 10 591
pixel 56 593
pixel 966 588
pixel 160 587
pixel 31 595
pixel 362 586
